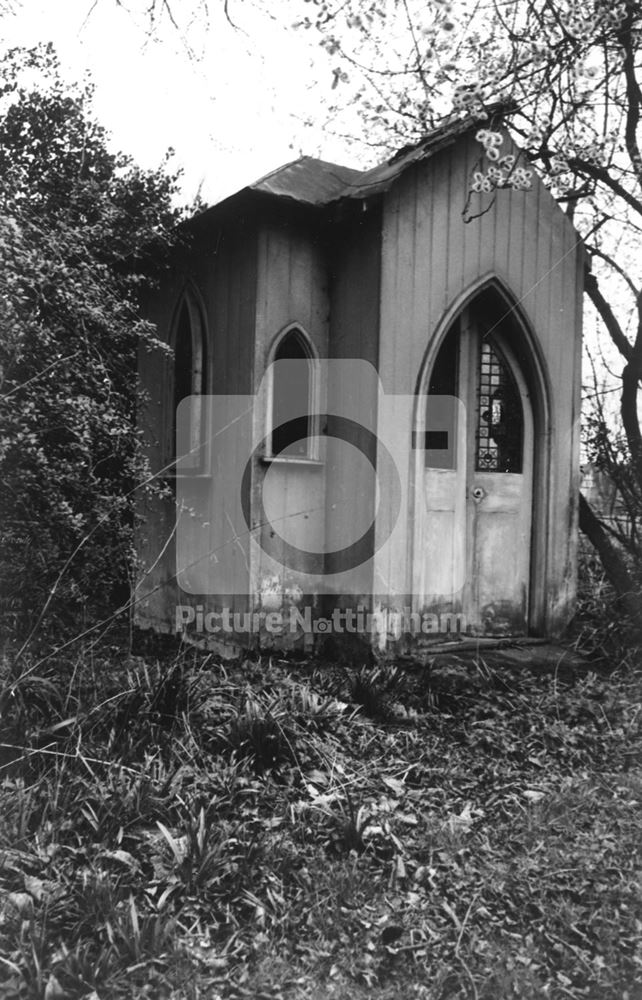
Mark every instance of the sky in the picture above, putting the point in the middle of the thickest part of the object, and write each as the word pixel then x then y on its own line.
pixel 232 103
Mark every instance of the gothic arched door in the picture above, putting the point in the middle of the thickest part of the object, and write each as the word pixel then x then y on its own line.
pixel 477 480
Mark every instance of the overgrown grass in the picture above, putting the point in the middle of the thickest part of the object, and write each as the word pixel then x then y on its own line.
pixel 188 829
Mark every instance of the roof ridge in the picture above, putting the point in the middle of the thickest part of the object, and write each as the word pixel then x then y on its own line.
pixel 311 180
pixel 277 170
pixel 378 178
pixel 308 179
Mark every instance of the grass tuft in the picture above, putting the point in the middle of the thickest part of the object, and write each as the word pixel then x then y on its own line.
pixel 185 829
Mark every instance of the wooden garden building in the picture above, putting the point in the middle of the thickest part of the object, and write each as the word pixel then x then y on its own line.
pixel 366 417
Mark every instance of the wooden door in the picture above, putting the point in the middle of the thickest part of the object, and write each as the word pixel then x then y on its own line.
pixel 477 493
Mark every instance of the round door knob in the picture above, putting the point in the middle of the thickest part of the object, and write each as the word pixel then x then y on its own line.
pixel 478 493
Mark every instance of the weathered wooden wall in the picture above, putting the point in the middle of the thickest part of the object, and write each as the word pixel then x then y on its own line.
pixel 292 290
pixel 355 269
pixel 221 267
pixel 381 283
pixel 433 260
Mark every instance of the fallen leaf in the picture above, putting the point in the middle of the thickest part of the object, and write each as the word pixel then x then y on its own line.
pixel 394 785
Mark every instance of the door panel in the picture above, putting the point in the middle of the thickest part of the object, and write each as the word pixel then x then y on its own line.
pixel 476 538
pixel 445 551
pixel 500 547
pixel 443 478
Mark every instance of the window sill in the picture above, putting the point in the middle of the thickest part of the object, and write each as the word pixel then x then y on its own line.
pixel 314 463
pixel 172 476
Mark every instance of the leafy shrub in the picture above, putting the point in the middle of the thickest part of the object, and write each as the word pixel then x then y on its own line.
pixel 373 687
pixel 264 732
pixel 76 232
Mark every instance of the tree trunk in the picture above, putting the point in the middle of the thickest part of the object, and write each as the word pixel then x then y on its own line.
pixel 629 596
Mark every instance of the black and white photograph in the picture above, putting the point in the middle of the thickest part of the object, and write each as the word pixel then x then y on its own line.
pixel 321 500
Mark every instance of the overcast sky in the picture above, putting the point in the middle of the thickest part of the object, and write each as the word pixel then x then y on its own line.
pixel 232 112
pixel 233 109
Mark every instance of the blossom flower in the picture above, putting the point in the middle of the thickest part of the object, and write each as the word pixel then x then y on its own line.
pixel 564 182
pixel 482 183
pixel 521 179
pixel 559 164
pixel 489 140
pixel 465 96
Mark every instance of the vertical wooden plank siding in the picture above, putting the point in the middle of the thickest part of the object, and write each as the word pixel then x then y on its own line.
pixel 292 290
pixel 354 284
pixel 231 305
pixel 222 267
pixel 525 242
pixel 380 282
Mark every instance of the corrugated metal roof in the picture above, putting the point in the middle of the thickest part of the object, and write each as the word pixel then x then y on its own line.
pixel 308 180
pixel 317 182
pixel 379 178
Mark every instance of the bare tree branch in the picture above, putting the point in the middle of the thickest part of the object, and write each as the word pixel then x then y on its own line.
pixel 634 98
pixel 607 316
pixel 602 175
pixel 616 571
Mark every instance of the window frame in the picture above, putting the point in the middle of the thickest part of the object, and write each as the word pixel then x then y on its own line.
pixel 190 300
pixel 450 341
pixel 517 418
pixel 312 455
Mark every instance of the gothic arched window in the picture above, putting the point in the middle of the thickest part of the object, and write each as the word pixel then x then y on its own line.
pixel 188 383
pixel 292 397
